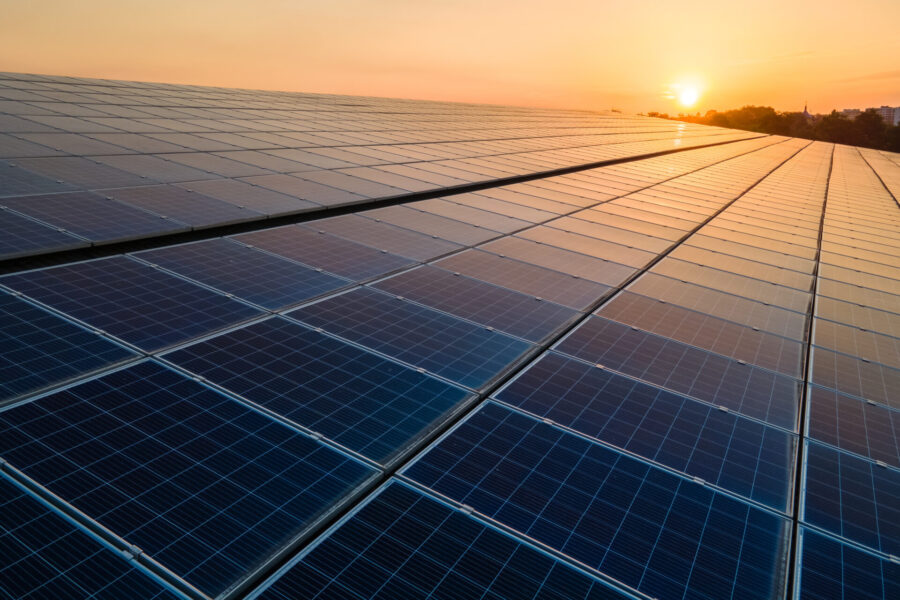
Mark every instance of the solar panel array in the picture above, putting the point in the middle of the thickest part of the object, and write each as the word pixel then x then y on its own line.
pixel 547 354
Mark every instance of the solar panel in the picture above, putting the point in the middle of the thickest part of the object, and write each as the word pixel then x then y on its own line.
pixel 660 533
pixel 201 483
pixel 16 181
pixel 528 317
pixel 707 332
pixel 23 236
pixel 856 376
pixel 404 544
pixel 865 428
pixel 557 259
pixel 46 556
pixel 852 497
pixel 832 569
pixel 177 203
pixel 737 454
pixel 461 351
pixel 131 300
pixel 235 268
pixel 719 380
pixel 93 217
pixel 360 400
pixel 324 251
pixel 400 241
pixel 38 349
pixel 554 286
pixel 743 311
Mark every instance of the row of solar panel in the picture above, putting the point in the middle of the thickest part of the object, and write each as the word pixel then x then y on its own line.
pixel 851 485
pixel 236 164
pixel 266 348
pixel 44 212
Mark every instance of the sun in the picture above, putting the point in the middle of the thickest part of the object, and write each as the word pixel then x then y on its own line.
pixel 688 96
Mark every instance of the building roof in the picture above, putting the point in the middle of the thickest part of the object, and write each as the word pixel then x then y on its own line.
pixel 279 345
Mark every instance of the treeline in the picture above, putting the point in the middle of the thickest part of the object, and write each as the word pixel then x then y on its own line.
pixel 867 129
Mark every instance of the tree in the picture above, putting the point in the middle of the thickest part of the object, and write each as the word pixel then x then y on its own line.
pixel 870 129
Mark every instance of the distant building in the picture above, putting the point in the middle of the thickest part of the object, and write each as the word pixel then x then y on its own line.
pixel 890 114
pixel 806 114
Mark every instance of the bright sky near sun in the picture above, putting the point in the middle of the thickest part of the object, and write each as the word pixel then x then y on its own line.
pixel 628 54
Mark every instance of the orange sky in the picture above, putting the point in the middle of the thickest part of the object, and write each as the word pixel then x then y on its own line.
pixel 562 53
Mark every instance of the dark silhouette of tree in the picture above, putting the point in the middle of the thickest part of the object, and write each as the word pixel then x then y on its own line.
pixel 867 129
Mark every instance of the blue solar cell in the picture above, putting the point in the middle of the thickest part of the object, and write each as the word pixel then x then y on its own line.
pixel 555 286
pixel 258 277
pixel 708 332
pixel 38 349
pixel 133 301
pixel 665 535
pixel 852 497
pixel 735 453
pixel 15 181
pixel 403 544
pixel 744 388
pixel 830 569
pixel 23 237
pixel 361 400
pixel 201 483
pixel 93 217
pixel 42 555
pixel 511 312
pixel 178 203
pixel 325 251
pixel 455 349
pixel 853 425
pixel 851 375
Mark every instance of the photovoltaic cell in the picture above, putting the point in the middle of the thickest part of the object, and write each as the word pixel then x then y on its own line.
pixel 868 429
pixel 843 338
pixel 201 483
pixel 38 349
pixel 177 203
pixel 667 536
pixel 15 181
pixel 46 556
pixel 524 316
pixel 133 301
pixel 325 251
pixel 710 333
pixel 361 400
pixel 561 288
pixel 557 259
pixel 734 308
pixel 93 217
pixel 455 349
pixel 386 237
pixel 831 569
pixel 852 375
pixel 723 381
pixel 740 455
pixel 22 236
pixel 852 497
pixel 403 544
pixel 82 172
pixel 754 289
pixel 258 277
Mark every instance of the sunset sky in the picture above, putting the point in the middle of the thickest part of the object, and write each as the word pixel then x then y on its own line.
pixel 591 54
